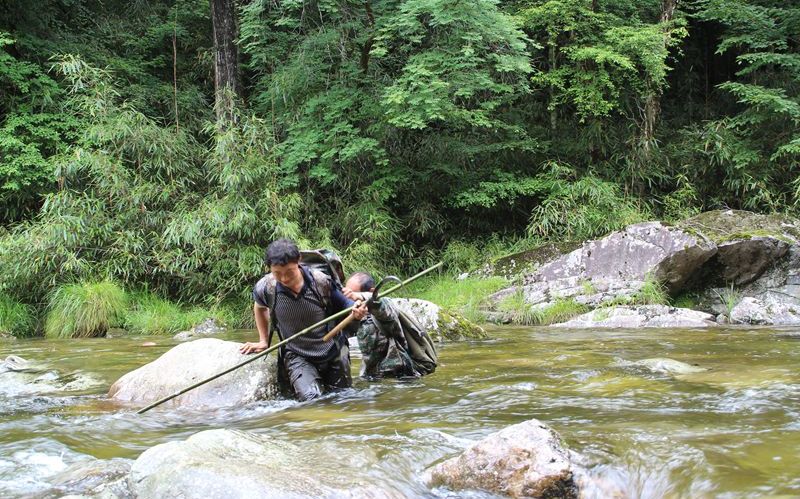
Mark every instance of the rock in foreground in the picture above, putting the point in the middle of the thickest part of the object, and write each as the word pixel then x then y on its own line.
pixel 523 460
pixel 233 464
pixel 194 361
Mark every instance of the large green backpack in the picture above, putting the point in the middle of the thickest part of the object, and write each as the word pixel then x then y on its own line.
pixel 421 347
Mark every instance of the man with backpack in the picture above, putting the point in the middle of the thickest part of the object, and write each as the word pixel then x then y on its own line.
pixel 392 343
pixel 290 298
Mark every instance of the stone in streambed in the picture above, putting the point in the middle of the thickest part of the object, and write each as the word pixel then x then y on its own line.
pixel 523 460
pixel 194 361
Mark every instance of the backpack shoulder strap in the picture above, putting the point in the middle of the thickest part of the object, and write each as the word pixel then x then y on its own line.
pixel 270 288
pixel 321 285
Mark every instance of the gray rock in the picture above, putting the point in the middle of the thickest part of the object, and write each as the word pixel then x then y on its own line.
pixel 22 377
pixel 440 324
pixel 651 248
pixel 754 311
pixel 194 361
pixel 223 464
pixel 641 316
pixel 208 327
pixel 524 460
pixel 97 478
pixel 615 267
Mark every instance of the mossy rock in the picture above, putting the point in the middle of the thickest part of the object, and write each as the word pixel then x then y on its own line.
pixel 721 226
pixel 517 264
pixel 455 327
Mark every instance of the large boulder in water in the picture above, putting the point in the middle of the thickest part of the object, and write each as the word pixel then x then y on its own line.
pixel 194 361
pixel 222 464
pixel 440 324
pixel 523 460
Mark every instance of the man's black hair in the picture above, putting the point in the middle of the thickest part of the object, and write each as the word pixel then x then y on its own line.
pixel 281 252
pixel 365 281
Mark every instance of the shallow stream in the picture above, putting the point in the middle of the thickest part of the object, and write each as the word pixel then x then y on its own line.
pixel 732 430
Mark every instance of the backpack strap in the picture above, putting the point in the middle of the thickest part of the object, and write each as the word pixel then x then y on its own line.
pixel 322 287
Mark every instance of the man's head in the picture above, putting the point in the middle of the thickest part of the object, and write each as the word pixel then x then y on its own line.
pixel 360 281
pixel 283 258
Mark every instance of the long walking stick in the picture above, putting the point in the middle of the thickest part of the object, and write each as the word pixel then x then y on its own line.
pixel 277 345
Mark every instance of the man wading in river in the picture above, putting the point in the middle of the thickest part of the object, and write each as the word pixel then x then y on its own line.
pixel 291 298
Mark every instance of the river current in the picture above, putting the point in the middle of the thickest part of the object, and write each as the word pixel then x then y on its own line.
pixel 731 430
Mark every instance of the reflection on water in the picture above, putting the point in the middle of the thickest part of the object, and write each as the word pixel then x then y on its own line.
pixel 730 430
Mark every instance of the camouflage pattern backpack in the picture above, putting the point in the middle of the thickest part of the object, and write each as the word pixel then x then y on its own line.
pixel 393 344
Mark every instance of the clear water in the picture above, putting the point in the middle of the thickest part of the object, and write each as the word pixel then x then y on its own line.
pixel 730 431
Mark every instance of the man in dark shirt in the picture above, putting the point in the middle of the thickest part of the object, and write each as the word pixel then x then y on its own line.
pixel 302 297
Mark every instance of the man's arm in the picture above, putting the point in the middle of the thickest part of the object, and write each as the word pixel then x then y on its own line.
pixel 261 316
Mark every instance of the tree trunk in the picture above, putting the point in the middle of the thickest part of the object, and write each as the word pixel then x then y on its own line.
pixel 226 57
pixel 652 105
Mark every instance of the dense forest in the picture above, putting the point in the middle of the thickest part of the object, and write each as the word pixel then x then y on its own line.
pixel 162 144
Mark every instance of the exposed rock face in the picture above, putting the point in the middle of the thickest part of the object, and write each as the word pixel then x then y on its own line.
pixel 641 316
pixel 222 464
pixel 718 256
pixel 208 327
pixel 649 248
pixel 440 324
pixel 191 362
pixel 754 311
pixel 616 266
pixel 523 460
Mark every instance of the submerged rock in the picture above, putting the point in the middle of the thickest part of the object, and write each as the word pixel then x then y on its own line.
pixel 668 366
pixel 97 478
pixel 22 377
pixel 233 464
pixel 641 316
pixel 440 324
pixel 194 361
pixel 523 460
pixel 208 327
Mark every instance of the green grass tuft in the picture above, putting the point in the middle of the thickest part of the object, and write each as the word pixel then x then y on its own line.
pixel 151 315
pixel 16 319
pixel 685 300
pixel 651 293
pixel 563 309
pixel 464 296
pixel 521 311
pixel 85 310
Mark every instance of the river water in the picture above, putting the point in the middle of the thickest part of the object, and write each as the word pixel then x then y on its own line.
pixel 732 430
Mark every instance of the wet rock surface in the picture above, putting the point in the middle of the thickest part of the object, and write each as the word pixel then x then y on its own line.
pixel 523 460
pixel 194 361
pixel 234 464
pixel 97 478
pixel 19 377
